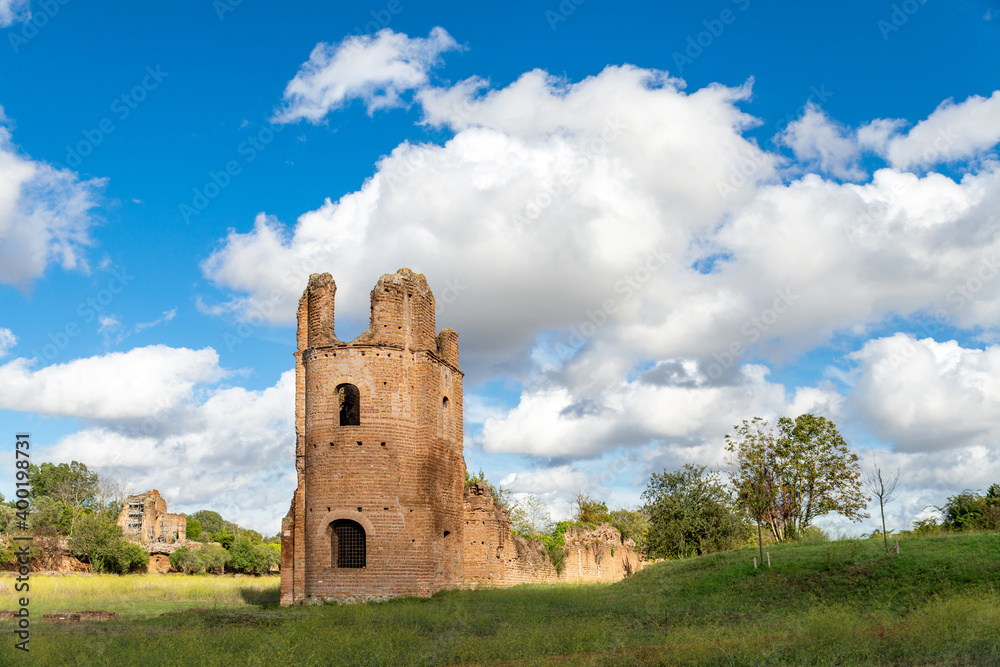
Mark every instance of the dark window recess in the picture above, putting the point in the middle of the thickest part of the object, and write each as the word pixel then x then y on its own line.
pixel 350 405
pixel 347 544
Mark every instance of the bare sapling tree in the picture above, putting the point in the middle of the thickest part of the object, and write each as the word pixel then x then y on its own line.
pixel 530 516
pixel 882 486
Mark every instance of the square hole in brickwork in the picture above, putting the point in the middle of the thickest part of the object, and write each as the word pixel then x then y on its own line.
pixel 359 509
pixel 359 443
pixel 386 509
pixel 331 444
pixel 383 444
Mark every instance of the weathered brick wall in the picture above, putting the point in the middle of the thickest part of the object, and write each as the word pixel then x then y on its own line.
pixel 399 472
pixel 494 557
pixel 485 539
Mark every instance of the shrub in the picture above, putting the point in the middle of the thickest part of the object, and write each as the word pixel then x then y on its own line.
pixel 691 513
pixel 100 541
pixel 185 560
pixel 970 511
pixel 133 558
pixel 7 555
pixel 245 556
pixel 213 558
pixel 928 526
pixel 814 534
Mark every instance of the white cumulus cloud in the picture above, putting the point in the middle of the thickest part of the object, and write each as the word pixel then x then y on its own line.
pixel 208 452
pixel 623 200
pixel 45 215
pixel 140 383
pixel 922 395
pixel 376 69
pixel 953 132
pixel 820 143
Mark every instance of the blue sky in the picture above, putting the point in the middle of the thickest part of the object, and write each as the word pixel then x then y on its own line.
pixel 613 199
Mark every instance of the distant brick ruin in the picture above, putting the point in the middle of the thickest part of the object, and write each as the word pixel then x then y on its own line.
pixel 145 519
pixel 381 509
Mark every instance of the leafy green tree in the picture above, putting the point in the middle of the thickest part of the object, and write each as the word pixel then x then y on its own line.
pixel 823 474
pixel 753 476
pixel 8 514
pixel 970 511
pixel 789 477
pixel 48 517
pixel 100 541
pixel 72 485
pixel 632 525
pixel 690 513
pixel 530 517
pixel 213 558
pixel 193 529
pixel 244 556
pixel 212 522
pixel 225 538
pixel 132 558
pixel 186 560
pixel 63 481
pixel 591 511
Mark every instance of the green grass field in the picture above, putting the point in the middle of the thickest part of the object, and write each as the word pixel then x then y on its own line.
pixel 831 603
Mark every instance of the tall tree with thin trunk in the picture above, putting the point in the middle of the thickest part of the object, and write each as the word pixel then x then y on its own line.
pixel 752 474
pixel 789 476
pixel 883 487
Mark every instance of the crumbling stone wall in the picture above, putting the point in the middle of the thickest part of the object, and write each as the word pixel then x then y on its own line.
pixel 145 519
pixel 494 557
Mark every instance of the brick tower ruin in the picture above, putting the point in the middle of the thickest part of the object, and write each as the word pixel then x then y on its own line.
pixel 378 511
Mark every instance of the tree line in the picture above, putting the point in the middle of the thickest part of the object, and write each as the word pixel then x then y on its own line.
pixel 779 480
pixel 70 502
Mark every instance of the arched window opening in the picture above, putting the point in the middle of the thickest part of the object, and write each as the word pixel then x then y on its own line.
pixel 347 544
pixel 350 405
pixel 444 403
